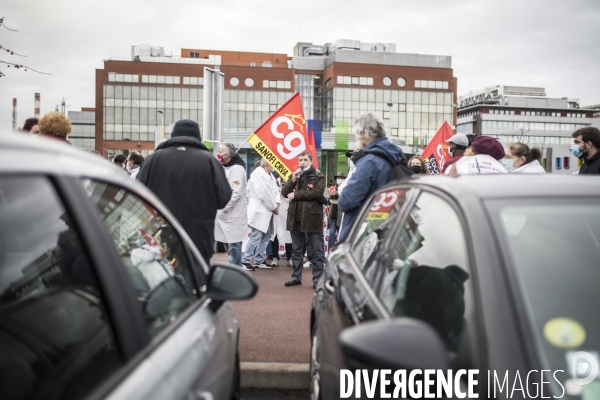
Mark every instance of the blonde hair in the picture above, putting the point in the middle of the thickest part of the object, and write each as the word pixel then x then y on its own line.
pixel 55 124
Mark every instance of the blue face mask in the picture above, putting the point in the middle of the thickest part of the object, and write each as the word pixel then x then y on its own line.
pixel 507 163
pixel 576 151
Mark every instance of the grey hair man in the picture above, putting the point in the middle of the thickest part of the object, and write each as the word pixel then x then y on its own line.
pixel 371 170
pixel 231 222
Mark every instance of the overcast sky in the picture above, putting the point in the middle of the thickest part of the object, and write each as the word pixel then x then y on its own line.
pixel 547 43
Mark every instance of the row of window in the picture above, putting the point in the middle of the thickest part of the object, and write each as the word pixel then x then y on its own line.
pixel 355 80
pixel 539 141
pixel 193 80
pixel 160 104
pixel 83 116
pixel 82 130
pixel 152 93
pixel 431 84
pixel 535 113
pixel 533 126
pixel 395 97
pixel 163 79
pixel 395 107
pixel 277 84
pixel 114 77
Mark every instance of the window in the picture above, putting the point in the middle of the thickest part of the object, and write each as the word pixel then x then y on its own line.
pixel 377 225
pixel 234 81
pixel 401 82
pixel 194 54
pixel 428 275
pixel 387 81
pixel 152 253
pixel 52 311
pixel 249 82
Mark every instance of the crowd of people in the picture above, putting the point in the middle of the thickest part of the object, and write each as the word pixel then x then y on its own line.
pixel 214 201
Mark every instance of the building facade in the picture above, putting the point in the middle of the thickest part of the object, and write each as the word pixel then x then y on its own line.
pixel 525 114
pixel 83 129
pixel 413 93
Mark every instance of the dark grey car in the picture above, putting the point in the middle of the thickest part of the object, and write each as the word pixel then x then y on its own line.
pixel 102 293
pixel 497 273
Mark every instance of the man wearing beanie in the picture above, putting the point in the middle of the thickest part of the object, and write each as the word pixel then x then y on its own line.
pixel 190 181
pixel 482 159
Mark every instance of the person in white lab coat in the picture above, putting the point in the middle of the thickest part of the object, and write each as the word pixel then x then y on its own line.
pixel 262 206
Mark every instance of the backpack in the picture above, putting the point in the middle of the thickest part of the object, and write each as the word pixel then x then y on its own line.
pixel 399 171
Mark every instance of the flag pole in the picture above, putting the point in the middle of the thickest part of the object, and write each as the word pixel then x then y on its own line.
pixel 246 141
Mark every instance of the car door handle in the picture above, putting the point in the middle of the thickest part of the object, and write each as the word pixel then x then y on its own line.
pixel 329 286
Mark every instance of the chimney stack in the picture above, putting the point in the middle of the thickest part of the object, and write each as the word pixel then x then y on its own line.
pixel 14 115
pixel 62 106
pixel 36 110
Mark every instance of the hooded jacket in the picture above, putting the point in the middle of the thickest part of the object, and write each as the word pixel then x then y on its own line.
pixel 371 174
pixel 232 221
pixel 191 183
pixel 591 166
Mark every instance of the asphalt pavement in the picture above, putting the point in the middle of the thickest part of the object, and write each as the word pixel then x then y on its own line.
pixel 275 324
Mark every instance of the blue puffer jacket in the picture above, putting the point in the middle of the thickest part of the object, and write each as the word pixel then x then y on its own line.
pixel 371 174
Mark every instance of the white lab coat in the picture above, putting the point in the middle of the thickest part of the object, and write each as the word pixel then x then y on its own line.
pixel 479 164
pixel 533 167
pixel 283 235
pixel 232 221
pixel 263 198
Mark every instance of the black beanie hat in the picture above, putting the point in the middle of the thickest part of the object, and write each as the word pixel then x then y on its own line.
pixel 186 127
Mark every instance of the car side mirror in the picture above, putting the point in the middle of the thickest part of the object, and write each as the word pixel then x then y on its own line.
pixel 230 282
pixel 401 343
pixel 166 299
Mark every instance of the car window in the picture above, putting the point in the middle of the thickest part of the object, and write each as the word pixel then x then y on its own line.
pixel 377 225
pixel 55 337
pixel 151 250
pixel 428 276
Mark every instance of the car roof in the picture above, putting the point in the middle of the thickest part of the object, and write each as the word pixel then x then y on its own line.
pixel 514 186
pixel 21 153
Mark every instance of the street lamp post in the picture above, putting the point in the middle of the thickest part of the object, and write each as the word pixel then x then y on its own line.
pixel 390 106
pixel 158 137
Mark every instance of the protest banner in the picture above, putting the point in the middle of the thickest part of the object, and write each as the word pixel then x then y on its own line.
pixel 436 152
pixel 282 137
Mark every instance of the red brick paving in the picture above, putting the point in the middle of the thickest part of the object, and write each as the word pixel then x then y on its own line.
pixel 275 324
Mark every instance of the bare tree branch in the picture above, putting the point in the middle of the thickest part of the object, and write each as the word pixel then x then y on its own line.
pixel 2 24
pixel 25 67
pixel 12 53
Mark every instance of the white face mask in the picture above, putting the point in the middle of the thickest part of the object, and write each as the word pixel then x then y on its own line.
pixel 339 181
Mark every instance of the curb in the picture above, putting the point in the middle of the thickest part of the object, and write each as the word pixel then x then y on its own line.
pixel 267 375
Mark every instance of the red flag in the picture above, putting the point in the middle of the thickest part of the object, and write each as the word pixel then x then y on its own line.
pixel 436 152
pixel 312 148
pixel 282 137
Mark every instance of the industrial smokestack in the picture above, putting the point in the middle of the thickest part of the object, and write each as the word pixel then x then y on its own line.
pixel 14 115
pixel 62 106
pixel 36 110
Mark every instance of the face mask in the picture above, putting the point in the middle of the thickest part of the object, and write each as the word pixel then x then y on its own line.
pixel 577 151
pixel 127 168
pixel 417 169
pixel 507 163
pixel 339 181
pixel 451 150
pixel 220 158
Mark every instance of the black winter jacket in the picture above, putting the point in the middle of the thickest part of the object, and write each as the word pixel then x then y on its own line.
pixel 591 166
pixel 192 184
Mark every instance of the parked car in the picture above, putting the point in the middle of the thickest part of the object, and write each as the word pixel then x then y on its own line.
pixel 102 293
pixel 474 272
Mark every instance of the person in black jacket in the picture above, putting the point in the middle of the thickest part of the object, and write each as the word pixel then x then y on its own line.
pixel 586 145
pixel 190 181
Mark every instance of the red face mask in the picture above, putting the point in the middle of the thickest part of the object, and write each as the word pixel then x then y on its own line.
pixel 220 158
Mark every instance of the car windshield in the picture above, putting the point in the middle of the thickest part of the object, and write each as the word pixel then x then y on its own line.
pixel 554 249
